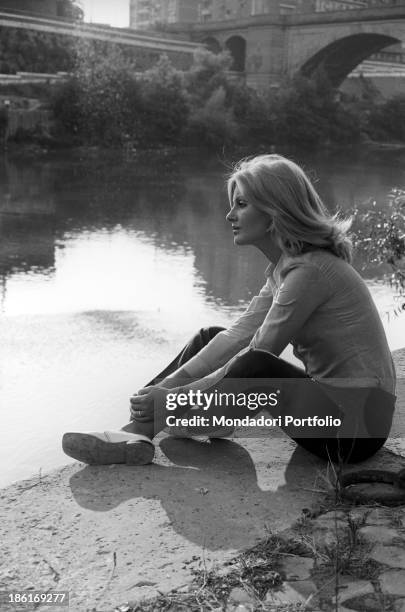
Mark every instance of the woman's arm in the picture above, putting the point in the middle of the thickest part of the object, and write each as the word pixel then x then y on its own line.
pixel 303 290
pixel 225 345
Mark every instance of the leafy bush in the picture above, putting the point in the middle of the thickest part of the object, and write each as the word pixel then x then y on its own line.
pixel 308 112
pixel 380 233
pixel 213 124
pixel 387 120
pixel 206 75
pixel 94 102
pixel 164 103
pixel 106 101
pixel 252 113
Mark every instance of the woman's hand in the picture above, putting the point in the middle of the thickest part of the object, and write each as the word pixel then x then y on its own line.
pixel 148 403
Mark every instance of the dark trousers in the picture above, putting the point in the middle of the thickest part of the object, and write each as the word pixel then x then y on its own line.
pixel 258 364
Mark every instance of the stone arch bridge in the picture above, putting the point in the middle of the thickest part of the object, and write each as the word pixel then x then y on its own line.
pixel 267 48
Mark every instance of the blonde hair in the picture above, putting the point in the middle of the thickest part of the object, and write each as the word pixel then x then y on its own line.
pixel 280 188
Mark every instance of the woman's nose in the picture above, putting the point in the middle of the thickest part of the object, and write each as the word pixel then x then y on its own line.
pixel 230 216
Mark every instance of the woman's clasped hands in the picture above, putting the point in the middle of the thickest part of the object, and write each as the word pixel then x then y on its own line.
pixel 149 404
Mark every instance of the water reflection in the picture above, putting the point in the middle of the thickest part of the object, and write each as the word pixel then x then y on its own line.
pixel 176 205
pixel 27 211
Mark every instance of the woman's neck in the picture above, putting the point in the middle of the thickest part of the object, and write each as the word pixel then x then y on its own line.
pixel 270 250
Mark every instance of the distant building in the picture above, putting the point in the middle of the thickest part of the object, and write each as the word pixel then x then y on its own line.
pixel 152 13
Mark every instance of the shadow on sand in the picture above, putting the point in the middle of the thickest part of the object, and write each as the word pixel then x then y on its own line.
pixel 206 485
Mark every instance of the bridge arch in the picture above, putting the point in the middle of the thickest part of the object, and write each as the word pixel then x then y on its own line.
pixel 212 44
pixel 340 57
pixel 236 45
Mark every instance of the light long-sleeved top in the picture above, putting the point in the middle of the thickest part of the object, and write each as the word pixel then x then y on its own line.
pixel 321 305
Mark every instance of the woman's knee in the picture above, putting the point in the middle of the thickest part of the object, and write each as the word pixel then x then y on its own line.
pixel 200 339
pixel 208 333
pixel 256 363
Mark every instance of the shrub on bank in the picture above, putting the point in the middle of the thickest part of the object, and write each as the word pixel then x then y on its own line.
pixel 387 121
pixel 380 234
pixel 163 110
pixel 213 123
pixel 107 102
pixel 253 114
pixel 310 112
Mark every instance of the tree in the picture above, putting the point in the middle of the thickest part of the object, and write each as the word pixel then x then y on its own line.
pixel 164 102
pixel 207 74
pixel 308 112
pixel 387 120
pixel 70 9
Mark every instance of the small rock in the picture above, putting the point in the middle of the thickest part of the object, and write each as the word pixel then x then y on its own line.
pixel 292 593
pixel 378 534
pixel 392 582
pixel 240 596
pixel 297 568
pixel 326 538
pixel 351 589
pixel 371 603
pixel 379 516
pixel 394 556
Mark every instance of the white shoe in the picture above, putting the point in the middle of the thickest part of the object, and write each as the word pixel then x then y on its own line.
pixel 107 447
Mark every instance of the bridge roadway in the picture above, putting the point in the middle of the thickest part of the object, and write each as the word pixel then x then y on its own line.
pixel 155 41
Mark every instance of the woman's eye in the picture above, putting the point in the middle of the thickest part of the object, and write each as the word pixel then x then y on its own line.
pixel 241 203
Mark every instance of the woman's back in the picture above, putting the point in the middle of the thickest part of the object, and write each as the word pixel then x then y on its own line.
pixel 343 339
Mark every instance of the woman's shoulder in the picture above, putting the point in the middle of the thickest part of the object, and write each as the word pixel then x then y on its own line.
pixel 320 265
pixel 316 258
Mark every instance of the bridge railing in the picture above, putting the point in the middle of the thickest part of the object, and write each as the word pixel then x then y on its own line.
pixel 393 57
pixel 323 6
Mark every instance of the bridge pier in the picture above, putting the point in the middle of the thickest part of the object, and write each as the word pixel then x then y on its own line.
pixel 264 60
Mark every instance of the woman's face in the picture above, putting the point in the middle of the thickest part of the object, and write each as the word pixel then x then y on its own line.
pixel 249 224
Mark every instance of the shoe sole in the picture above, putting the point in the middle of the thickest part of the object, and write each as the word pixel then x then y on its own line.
pixel 93 451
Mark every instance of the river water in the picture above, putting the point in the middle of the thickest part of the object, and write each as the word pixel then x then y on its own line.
pixel 108 264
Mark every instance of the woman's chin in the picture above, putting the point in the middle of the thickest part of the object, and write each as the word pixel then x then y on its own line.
pixel 238 239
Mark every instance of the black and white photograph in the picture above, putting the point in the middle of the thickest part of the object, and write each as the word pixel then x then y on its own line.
pixel 202 305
